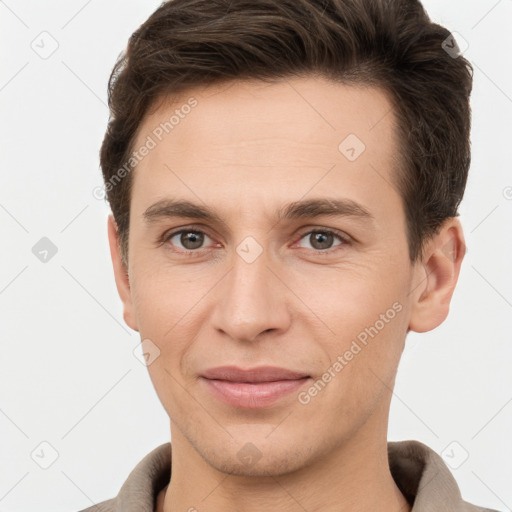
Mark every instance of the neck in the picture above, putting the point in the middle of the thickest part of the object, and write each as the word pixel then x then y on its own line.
pixel 355 476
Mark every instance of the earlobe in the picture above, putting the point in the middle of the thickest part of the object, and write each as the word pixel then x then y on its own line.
pixel 121 274
pixel 436 277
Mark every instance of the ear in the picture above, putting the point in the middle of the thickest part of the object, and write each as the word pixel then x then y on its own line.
pixel 435 277
pixel 121 274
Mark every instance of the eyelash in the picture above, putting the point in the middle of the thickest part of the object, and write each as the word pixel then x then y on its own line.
pixel 345 239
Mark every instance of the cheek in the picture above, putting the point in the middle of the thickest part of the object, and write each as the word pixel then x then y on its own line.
pixel 161 297
pixel 349 297
pixel 167 320
pixel 167 306
pixel 158 316
pixel 361 320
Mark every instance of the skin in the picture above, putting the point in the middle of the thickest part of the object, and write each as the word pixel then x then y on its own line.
pixel 245 150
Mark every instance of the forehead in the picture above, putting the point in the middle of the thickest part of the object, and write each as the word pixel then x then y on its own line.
pixel 248 138
pixel 310 108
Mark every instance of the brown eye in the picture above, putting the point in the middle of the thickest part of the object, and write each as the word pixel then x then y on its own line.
pixel 190 240
pixel 323 239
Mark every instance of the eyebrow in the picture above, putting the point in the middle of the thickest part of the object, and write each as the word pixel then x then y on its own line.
pixel 304 209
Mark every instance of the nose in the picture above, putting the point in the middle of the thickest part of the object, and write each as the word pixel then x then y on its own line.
pixel 251 300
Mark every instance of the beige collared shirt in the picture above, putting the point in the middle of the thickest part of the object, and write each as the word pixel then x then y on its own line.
pixel 419 472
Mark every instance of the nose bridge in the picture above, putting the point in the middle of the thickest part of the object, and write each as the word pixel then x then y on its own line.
pixel 251 301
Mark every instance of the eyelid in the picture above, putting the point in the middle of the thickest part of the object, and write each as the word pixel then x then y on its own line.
pixel 347 239
pixel 167 235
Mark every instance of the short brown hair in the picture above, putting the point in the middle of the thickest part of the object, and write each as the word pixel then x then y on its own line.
pixel 391 44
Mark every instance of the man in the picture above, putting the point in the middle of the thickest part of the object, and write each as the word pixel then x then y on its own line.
pixel 284 178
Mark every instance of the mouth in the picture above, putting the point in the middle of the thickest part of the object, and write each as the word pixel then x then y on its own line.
pixel 252 375
pixel 252 388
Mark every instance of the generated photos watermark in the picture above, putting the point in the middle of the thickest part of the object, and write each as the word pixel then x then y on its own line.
pixel 304 397
pixel 157 135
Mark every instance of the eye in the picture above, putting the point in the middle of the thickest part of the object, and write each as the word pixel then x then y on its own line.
pixel 190 239
pixel 322 240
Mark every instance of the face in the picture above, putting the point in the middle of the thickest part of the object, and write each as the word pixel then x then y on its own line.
pixel 274 275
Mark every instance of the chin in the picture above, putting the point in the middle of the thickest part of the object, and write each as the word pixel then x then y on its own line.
pixel 258 454
pixel 252 462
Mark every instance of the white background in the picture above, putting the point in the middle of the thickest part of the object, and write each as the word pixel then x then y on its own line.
pixel 68 373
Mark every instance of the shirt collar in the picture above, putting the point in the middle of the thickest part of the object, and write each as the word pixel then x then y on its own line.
pixel 419 472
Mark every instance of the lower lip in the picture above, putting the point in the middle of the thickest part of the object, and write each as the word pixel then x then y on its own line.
pixel 252 396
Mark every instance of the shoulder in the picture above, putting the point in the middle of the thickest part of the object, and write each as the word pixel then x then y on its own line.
pixel 425 480
pixel 138 492
pixel 104 506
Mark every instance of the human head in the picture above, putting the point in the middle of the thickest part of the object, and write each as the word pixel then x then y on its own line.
pixel 248 147
pixel 390 44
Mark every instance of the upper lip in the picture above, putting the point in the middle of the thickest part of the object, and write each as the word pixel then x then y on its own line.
pixel 258 374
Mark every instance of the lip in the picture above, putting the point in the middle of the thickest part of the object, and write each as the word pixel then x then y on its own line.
pixel 252 388
pixel 253 375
